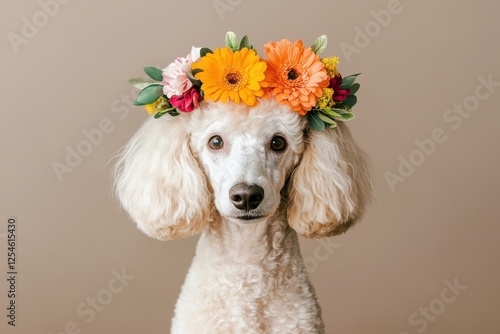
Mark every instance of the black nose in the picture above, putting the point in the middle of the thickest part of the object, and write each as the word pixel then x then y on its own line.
pixel 245 197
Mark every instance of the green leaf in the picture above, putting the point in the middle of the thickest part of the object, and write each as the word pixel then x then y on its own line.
pixel 339 114
pixel 245 43
pixel 354 88
pixel 325 118
pixel 331 112
pixel 159 114
pixel 350 101
pixel 232 41
pixel 154 73
pixel 196 71
pixel 191 78
pixel 149 95
pixel 348 116
pixel 141 83
pixel 319 44
pixel 348 81
pixel 205 51
pixel 315 121
pixel 173 112
pixel 329 126
pixel 195 81
pixel 340 111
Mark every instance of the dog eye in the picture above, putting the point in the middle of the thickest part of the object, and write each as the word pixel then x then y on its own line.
pixel 278 144
pixel 215 143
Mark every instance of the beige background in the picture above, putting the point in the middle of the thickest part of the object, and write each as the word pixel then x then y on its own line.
pixel 440 224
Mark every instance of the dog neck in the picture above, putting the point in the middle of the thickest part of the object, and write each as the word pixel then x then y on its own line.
pixel 250 278
pixel 261 242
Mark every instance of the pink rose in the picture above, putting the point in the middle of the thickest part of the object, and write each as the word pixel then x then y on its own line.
pixel 175 79
pixel 186 102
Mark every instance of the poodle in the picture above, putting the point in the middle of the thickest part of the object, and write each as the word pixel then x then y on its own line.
pixel 250 179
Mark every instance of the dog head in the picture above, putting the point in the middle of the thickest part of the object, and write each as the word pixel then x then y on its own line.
pixel 178 174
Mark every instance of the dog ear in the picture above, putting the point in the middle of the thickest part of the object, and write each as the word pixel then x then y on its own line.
pixel 331 186
pixel 159 182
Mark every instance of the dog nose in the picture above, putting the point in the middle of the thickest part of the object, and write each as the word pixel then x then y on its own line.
pixel 245 197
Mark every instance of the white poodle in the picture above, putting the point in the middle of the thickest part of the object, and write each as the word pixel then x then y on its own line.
pixel 249 179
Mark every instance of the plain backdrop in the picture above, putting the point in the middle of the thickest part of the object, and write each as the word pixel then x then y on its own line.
pixel 64 69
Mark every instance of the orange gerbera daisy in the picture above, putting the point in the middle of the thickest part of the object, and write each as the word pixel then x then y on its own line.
pixel 295 74
pixel 238 76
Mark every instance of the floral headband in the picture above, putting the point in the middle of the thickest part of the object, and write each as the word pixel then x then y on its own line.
pixel 292 74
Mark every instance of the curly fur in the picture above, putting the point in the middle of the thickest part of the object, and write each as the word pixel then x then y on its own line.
pixel 331 187
pixel 247 275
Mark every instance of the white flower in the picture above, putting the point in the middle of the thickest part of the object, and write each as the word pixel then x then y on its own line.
pixel 175 79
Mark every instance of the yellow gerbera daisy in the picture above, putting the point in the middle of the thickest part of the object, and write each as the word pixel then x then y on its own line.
pixel 238 76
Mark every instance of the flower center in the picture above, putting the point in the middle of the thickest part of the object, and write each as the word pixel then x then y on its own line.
pixel 233 78
pixel 292 74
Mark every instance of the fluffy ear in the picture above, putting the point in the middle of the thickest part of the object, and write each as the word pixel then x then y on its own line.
pixel 159 182
pixel 331 186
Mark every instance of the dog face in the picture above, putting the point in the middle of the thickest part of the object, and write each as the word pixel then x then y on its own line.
pixel 247 154
pixel 177 174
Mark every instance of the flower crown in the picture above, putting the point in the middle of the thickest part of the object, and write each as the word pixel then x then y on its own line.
pixel 292 74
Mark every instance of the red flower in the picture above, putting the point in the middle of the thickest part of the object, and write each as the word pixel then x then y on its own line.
pixel 339 94
pixel 186 102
